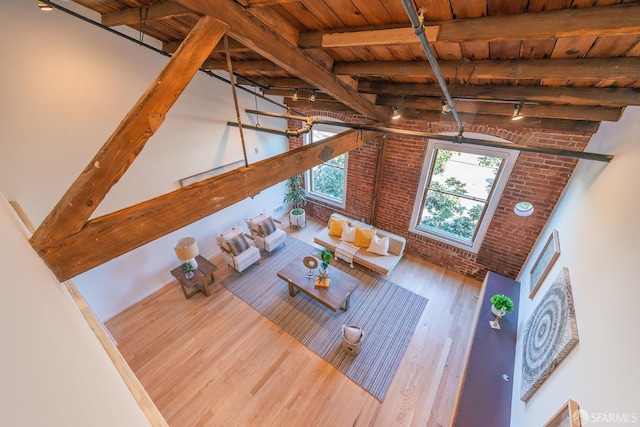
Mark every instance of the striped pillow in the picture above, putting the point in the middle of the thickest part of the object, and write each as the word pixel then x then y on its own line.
pixel 238 244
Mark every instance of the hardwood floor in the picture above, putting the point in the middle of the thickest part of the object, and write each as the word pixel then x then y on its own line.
pixel 217 362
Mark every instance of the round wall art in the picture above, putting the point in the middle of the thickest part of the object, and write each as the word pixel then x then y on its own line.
pixel 550 334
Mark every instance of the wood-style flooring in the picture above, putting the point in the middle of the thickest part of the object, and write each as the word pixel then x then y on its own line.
pixel 215 361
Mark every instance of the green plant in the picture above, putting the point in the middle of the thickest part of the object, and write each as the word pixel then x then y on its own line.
pixel 325 258
pixel 295 195
pixel 186 267
pixel 500 301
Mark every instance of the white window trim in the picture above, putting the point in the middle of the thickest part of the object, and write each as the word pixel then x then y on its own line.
pixel 510 155
pixel 307 178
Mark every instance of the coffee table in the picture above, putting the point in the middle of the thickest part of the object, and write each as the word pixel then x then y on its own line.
pixel 337 295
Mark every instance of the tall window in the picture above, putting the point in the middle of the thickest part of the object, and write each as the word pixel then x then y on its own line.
pixel 327 181
pixel 459 190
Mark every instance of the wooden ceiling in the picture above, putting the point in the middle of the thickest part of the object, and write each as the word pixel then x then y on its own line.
pixel 573 63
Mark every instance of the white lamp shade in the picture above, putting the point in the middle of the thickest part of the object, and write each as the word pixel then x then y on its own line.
pixel 186 248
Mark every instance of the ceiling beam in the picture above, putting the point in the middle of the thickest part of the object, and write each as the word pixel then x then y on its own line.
pixel 266 3
pixel 234 47
pixel 384 37
pixel 121 149
pixel 244 67
pixel 594 21
pixel 252 33
pixel 114 234
pixel 588 96
pixel 133 16
pixel 578 126
pixel 277 82
pixel 535 69
pixel 569 112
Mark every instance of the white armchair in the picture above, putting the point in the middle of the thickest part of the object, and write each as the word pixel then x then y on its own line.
pixel 267 232
pixel 238 249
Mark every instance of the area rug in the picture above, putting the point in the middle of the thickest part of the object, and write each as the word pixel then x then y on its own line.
pixel 386 312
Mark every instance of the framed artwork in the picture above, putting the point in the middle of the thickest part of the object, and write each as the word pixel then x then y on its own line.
pixel 549 254
pixel 567 416
pixel 549 335
pixel 210 173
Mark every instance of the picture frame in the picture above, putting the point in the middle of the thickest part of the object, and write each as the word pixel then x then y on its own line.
pixel 210 173
pixel 567 416
pixel 547 257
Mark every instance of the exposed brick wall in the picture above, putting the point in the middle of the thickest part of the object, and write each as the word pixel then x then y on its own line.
pixel 537 178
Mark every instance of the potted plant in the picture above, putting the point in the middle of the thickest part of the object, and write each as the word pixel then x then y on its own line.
pixel 500 301
pixel 188 269
pixel 297 198
pixel 325 259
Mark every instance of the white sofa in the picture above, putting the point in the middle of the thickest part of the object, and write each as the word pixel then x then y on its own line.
pixel 382 264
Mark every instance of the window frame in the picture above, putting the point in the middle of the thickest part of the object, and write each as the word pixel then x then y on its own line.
pixel 494 196
pixel 314 195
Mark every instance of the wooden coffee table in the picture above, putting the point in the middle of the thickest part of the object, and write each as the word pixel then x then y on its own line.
pixel 337 295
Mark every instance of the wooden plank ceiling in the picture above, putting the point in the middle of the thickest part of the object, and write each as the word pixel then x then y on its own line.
pixel 573 63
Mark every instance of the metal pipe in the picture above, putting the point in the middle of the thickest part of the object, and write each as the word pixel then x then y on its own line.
pixel 305 129
pixel 418 29
pixel 458 139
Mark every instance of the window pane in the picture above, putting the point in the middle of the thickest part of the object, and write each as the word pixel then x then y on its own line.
pixel 451 214
pixel 457 192
pixel 328 180
pixel 319 135
pixel 465 173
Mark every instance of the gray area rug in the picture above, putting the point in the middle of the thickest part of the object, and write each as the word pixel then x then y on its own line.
pixel 386 312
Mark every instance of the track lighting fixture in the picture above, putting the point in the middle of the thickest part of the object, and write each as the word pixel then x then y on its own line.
pixel 312 96
pixel 396 113
pixel 260 91
pixel 445 107
pixel 294 97
pixel 44 6
pixel 517 111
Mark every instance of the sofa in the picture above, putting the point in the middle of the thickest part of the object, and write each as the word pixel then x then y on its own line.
pixel 330 238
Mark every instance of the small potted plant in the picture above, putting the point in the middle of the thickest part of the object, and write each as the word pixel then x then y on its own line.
pixel 325 259
pixel 187 269
pixel 500 301
pixel 297 198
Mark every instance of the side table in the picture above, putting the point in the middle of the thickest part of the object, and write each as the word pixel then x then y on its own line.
pixel 201 280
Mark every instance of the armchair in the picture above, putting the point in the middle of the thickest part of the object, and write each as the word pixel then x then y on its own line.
pixel 267 232
pixel 238 249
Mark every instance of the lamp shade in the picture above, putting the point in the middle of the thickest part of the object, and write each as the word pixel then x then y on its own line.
pixel 186 248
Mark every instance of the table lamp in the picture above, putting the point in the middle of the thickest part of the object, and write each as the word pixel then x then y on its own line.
pixel 187 251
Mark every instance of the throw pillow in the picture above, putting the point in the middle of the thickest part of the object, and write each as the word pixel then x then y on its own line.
pixel 379 245
pixel 238 244
pixel 363 237
pixel 335 226
pixel 228 235
pixel 267 227
pixel 348 233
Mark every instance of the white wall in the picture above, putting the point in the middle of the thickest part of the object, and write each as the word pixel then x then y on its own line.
pixel 54 371
pixel 65 86
pixel 599 228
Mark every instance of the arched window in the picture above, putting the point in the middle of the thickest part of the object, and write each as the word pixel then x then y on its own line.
pixel 327 181
pixel 459 190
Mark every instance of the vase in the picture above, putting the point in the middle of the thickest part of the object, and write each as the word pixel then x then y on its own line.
pixel 495 311
pixel 323 273
pixel 189 275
